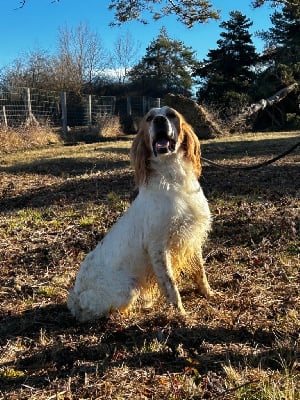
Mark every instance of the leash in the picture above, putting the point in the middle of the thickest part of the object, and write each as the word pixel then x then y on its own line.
pixel 255 166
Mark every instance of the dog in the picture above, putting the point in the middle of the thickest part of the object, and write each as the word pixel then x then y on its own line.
pixel 162 232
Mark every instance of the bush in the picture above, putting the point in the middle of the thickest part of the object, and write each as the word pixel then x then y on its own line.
pixel 108 126
pixel 293 121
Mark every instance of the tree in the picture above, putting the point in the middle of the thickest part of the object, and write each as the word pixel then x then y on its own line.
pixel 281 58
pixel 274 3
pixel 187 11
pixel 283 38
pixel 34 69
pixel 228 70
pixel 81 57
pixel 124 56
pixel 166 67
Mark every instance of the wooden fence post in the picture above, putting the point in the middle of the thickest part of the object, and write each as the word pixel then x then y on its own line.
pixel 30 120
pixel 64 120
pixel 4 116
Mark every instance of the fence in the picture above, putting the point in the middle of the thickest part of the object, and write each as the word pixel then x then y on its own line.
pixel 25 106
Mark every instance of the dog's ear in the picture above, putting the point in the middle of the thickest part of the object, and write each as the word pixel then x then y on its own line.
pixel 191 147
pixel 140 155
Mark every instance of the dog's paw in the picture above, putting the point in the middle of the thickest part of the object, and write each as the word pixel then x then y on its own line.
pixel 179 309
pixel 214 295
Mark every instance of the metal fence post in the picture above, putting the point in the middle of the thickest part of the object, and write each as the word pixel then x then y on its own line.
pixel 90 111
pixel 64 120
pixel 128 102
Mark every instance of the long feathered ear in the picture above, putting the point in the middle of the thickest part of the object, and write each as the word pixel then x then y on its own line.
pixel 191 147
pixel 140 156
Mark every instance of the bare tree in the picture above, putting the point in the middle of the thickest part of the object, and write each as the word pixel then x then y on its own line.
pixel 81 57
pixel 32 69
pixel 124 56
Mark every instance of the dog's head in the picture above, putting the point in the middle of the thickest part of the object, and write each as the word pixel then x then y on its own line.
pixel 163 132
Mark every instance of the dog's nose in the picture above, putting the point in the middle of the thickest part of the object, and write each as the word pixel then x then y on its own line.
pixel 160 121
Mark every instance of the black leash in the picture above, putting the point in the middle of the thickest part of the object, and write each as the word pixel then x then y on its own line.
pixel 255 166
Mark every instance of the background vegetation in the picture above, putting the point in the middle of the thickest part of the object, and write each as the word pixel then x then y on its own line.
pixel 232 76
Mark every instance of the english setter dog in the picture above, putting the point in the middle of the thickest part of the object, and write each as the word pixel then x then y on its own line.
pixel 162 232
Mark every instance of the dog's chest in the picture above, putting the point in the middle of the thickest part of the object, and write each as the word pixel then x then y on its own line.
pixel 184 218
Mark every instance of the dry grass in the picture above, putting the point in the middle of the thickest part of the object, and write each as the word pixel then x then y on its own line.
pixel 57 202
pixel 109 126
pixel 26 137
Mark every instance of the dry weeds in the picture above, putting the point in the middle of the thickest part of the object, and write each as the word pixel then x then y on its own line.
pixel 56 203
pixel 26 137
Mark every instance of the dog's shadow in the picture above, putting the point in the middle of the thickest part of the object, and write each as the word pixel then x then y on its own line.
pixel 59 347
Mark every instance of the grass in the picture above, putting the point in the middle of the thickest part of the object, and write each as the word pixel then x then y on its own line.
pixel 57 202
pixel 12 139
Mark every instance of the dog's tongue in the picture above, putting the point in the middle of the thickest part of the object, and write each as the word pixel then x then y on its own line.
pixel 162 146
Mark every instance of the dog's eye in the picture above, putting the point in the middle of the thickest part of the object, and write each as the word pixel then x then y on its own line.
pixel 149 118
pixel 171 114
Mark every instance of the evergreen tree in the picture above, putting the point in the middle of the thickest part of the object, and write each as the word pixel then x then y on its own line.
pixel 228 70
pixel 281 58
pixel 165 68
pixel 283 38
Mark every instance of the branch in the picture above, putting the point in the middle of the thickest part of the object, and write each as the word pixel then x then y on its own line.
pixel 275 3
pixel 23 2
pixel 189 13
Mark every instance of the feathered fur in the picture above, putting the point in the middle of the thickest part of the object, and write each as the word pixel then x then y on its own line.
pixel 162 232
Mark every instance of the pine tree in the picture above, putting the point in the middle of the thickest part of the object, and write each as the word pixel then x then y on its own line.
pixel 166 67
pixel 281 58
pixel 283 38
pixel 229 68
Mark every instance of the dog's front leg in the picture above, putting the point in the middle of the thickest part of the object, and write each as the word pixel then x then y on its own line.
pixel 162 267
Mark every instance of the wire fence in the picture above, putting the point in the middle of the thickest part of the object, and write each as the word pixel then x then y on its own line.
pixel 24 106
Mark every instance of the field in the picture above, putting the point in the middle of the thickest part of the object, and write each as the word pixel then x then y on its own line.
pixel 57 202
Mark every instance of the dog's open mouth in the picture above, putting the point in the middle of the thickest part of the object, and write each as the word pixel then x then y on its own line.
pixel 163 146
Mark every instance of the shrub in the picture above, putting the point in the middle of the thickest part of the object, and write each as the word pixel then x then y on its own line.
pixel 109 126
pixel 293 121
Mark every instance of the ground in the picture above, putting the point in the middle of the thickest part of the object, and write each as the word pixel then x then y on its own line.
pixel 57 203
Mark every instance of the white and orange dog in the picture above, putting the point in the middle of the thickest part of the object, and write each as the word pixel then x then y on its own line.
pixel 162 232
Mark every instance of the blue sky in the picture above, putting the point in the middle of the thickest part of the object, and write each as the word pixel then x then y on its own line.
pixel 35 26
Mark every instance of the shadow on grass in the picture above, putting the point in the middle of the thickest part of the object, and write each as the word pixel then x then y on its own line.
pixel 127 347
pixel 118 346
pixel 271 182
pixel 251 148
pixel 67 166
pixel 94 188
